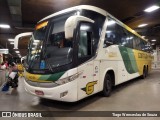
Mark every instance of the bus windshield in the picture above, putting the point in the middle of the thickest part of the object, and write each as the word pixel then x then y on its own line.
pixel 35 46
pixel 54 50
pixel 58 50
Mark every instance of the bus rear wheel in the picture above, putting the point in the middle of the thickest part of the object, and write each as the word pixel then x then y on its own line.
pixel 144 73
pixel 147 71
pixel 107 86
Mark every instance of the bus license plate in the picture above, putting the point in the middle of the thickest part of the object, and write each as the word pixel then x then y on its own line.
pixel 39 92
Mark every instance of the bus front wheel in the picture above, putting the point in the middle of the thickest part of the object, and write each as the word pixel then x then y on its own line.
pixel 107 86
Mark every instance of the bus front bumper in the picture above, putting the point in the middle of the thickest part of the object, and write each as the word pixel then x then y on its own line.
pixel 66 92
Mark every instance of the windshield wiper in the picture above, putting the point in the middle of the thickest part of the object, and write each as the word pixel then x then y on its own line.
pixel 48 64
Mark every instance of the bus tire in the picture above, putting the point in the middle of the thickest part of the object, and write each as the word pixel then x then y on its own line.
pixel 107 86
pixel 144 73
pixel 147 71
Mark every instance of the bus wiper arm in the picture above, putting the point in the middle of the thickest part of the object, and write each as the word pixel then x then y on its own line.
pixel 48 64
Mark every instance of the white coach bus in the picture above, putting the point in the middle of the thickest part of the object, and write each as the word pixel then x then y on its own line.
pixel 80 51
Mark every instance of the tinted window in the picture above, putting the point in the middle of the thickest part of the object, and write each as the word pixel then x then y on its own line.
pixel 112 35
pixel 127 38
pixel 143 45
pixel 137 43
pixel 97 26
pixel 85 40
pixel 116 34
pixel 148 47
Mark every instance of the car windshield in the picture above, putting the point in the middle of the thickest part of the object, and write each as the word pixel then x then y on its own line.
pixel 57 49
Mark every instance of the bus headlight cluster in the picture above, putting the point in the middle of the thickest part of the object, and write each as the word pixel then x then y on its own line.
pixel 68 79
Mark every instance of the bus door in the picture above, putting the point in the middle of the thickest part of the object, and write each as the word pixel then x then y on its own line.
pixel 86 82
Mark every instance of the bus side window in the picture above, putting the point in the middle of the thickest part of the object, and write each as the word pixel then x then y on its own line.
pixel 113 33
pixel 148 47
pixel 129 40
pixel 138 43
pixel 110 35
pixel 85 41
pixel 134 43
pixel 143 46
pixel 125 37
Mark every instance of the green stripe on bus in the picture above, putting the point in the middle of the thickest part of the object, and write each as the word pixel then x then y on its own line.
pixel 52 77
pixel 128 59
pixel 132 59
pixel 44 77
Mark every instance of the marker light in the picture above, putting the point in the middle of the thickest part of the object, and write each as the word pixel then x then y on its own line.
pixel 11 40
pixel 17 51
pixel 19 54
pixel 111 22
pixel 35 43
pixel 143 36
pixel 142 25
pixel 4 26
pixel 152 8
pixel 108 31
pixel 153 40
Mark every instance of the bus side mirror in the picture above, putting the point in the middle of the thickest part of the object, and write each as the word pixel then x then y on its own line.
pixel 19 36
pixel 71 24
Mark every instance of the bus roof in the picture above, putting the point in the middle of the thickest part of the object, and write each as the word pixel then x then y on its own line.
pixel 87 7
pixel 92 8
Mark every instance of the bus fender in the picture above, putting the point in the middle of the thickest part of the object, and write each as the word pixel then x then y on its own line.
pixel 103 77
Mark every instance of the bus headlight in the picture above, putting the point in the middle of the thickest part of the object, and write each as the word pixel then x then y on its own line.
pixel 68 79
